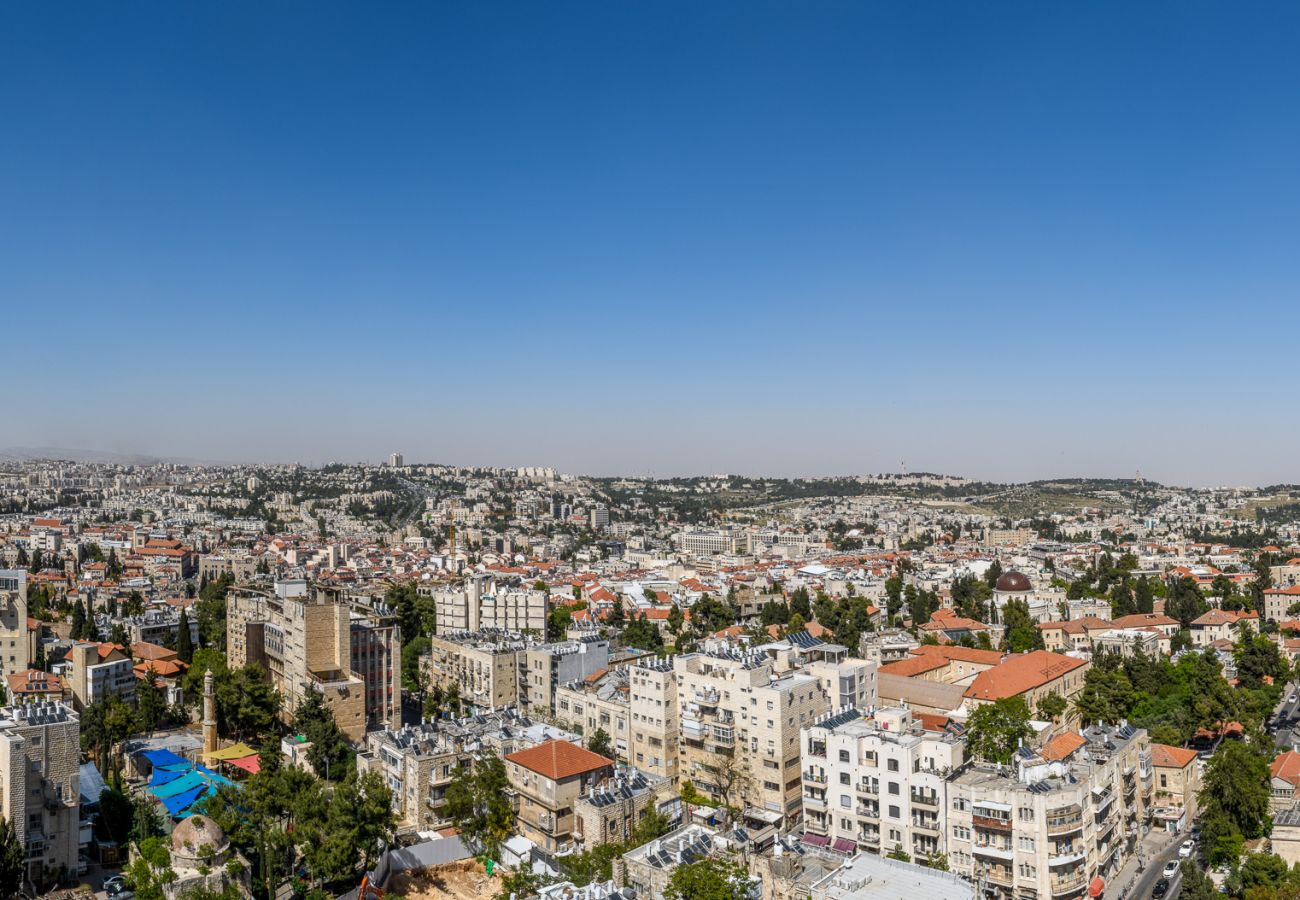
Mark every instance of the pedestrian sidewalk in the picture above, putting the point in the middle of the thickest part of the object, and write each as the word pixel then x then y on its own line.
pixel 1149 851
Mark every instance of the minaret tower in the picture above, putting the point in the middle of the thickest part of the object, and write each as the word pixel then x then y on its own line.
pixel 209 713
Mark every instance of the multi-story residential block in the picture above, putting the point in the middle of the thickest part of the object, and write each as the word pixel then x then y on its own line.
pixel 1057 822
pixel 303 638
pixel 159 625
pixel 97 670
pixel 877 783
pixel 40 759
pixel 1178 786
pixel 15 645
pixel 546 667
pixel 548 781
pixel 609 812
pixel 601 701
pixel 647 868
pixel 740 727
pixel 484 666
pixel 867 877
pixel 418 762
pixel 847 680
pixel 488 603
pixel 376 656
pixel 654 718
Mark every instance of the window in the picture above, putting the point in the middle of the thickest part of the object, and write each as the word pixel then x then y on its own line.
pixel 893 788
pixel 1164 780
pixel 846 801
pixel 893 765
pixel 844 756
pixel 1026 814
pixel 893 814
pixel 1027 843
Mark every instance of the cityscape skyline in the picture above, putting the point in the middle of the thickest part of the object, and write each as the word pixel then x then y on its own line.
pixel 1013 242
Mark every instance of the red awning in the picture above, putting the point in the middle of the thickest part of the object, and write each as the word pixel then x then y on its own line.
pixel 1096 887
pixel 249 764
pixel 844 845
pixel 817 840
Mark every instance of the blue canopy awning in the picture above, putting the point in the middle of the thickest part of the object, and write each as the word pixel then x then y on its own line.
pixel 164 758
pixel 178 804
pixel 165 776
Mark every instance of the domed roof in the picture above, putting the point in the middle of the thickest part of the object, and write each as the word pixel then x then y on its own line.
pixel 194 832
pixel 1013 581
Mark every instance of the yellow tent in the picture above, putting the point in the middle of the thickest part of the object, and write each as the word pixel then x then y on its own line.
pixel 237 751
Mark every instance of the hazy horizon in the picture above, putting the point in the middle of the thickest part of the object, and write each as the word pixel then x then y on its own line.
pixel 1004 241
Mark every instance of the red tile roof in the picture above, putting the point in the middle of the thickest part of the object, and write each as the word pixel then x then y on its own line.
pixel 1169 757
pixel 1020 673
pixel 1062 746
pixel 1287 767
pixel 558 760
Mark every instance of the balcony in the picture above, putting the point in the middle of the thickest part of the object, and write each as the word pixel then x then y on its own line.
pixel 811 802
pixel 723 737
pixel 991 824
pixel 1065 824
pixel 928 826
pixel 814 778
pixel 995 874
pixel 1068 883
pixel 817 750
pixel 1065 856
pixel 1102 800
pixel 928 800
pixel 871 841
pixel 863 789
pixel 868 812
pixel 993 850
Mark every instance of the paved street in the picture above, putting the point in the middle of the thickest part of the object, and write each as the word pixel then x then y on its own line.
pixel 1158 848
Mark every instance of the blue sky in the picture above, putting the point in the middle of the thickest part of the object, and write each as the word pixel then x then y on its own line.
pixel 1009 240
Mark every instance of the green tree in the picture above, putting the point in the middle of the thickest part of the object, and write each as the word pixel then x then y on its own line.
pixel 150 701
pixel 995 730
pixel 479 806
pixel 1020 633
pixel 1051 706
pixel 711 878
pixel 184 640
pixel 600 743
pixel 1196 885
pixel 13 859
pixel 1237 785
pixel 329 753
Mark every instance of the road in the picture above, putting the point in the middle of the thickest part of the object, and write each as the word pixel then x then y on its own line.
pixel 1151 874
pixel 1284 719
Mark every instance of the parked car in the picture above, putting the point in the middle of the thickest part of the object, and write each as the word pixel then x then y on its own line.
pixel 1187 849
pixel 1161 888
pixel 114 885
pixel 1171 869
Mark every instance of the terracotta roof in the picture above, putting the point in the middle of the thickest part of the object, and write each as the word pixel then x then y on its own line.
pixel 913 666
pixel 1287 767
pixel 1169 757
pixel 558 760
pixel 146 650
pixel 1020 673
pixel 1061 746
pixel 1139 620
pixel 962 654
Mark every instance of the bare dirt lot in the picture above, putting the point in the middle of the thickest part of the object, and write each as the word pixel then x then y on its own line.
pixel 454 881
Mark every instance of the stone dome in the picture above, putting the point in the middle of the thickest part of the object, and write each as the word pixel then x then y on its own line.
pixel 1012 582
pixel 192 834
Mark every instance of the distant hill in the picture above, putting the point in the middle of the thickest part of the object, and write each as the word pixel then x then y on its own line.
pixel 94 456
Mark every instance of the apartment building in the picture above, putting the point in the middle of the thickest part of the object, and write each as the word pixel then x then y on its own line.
pixel 876 783
pixel 1055 823
pixel 375 648
pixel 15 647
pixel 547 667
pixel 486 602
pixel 303 638
pixel 548 781
pixel 601 701
pixel 483 665
pixel 1178 785
pixel 160 625
pixel 654 718
pixel 418 762
pixel 740 722
pixel 97 670
pixel 611 811
pixel 40 759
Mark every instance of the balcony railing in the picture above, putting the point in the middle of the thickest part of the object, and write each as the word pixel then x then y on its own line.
pixel 1065 824
pixel 866 790
pixel 1068 883
pixel 930 800
pixel 930 826
pixel 991 823
pixel 814 778
pixel 995 875
pixel 868 812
